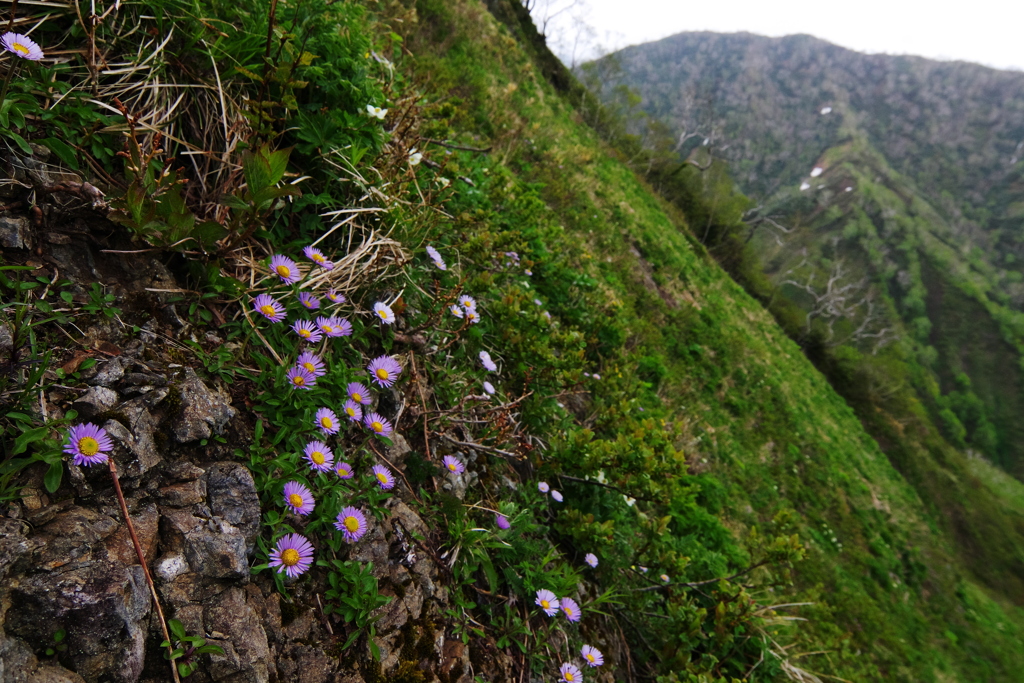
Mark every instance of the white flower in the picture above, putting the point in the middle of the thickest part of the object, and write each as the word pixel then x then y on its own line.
pixel 376 112
pixel 444 182
pixel 826 110
pixel 805 186
pixel 816 171
pixel 384 312
pixel 415 157
pixel 630 501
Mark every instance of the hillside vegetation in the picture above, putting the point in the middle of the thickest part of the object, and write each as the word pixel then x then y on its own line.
pixel 608 388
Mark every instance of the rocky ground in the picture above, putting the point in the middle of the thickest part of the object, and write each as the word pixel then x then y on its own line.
pixel 67 561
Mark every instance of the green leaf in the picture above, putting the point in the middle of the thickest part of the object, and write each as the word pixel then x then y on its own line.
pixel 25 147
pixel 64 151
pixel 21 444
pixel 52 478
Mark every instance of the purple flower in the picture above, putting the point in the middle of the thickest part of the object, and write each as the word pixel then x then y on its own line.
pixel 352 522
pixel 335 297
pixel 556 495
pixel 384 370
pixel 309 300
pixel 435 256
pixel 334 326
pixel 571 610
pixel 528 272
pixel 570 673
pixel 21 46
pixel 312 363
pixel 292 555
pixel 317 257
pixel 383 476
pixel 89 444
pixel 592 655
pixel 456 311
pixel 502 522
pixel 268 306
pixel 467 302
pixel 596 376
pixel 453 465
pixel 358 393
pixel 488 364
pixel 284 268
pixel 547 601
pixel 319 456
pixel 353 410
pixel 378 424
pixel 543 487
pixel 591 559
pixel 298 498
pixel 538 302
pixel 327 421
pixel 489 388
pixel 301 378
pixel 664 578
pixel 472 315
pixel 307 331
pixel 384 312
pixel 344 470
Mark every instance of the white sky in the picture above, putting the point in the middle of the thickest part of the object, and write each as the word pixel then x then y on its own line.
pixel 989 32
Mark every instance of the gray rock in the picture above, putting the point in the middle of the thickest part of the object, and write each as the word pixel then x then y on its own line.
pixel 15 232
pixel 203 412
pixel 96 400
pixel 213 548
pixel 16 660
pixel 169 567
pixel 13 545
pixel 53 673
pixel 108 373
pixel 71 537
pixel 246 653
pixel 182 494
pixel 182 470
pixel 232 496
pixel 101 605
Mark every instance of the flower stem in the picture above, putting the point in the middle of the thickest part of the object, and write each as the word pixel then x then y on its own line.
pixel 7 81
pixel 142 561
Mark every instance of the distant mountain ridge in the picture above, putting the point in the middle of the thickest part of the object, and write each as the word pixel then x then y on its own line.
pixel 903 172
pixel 967 119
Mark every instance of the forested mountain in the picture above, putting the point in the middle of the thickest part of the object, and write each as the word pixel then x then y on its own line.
pixel 900 175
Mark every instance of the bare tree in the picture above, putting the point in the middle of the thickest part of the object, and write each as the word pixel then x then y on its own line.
pixel 838 299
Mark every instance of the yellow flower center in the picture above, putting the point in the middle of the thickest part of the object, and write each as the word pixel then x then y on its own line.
pixel 326 422
pixel 377 427
pixel 289 557
pixel 295 500
pixel 342 470
pixel 299 381
pixel 352 524
pixel 88 446
pixel 545 604
pixel 452 467
pixel 309 366
pixel 351 412
pixel 303 332
pixel 317 457
pixel 20 49
pixel 318 258
pixel 358 398
pixel 283 271
pixel 381 373
pixel 383 314
pixel 569 676
pixel 471 315
pixel 590 657
pixel 328 328
pixel 267 310
pixel 382 478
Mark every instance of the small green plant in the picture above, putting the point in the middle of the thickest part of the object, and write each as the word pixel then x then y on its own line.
pixel 100 302
pixel 186 648
pixel 353 595
pixel 58 644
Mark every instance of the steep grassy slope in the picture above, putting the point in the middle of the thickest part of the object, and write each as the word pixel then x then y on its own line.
pixel 889 600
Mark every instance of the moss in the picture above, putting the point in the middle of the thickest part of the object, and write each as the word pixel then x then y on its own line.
pixel 408 672
pixel 371 670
